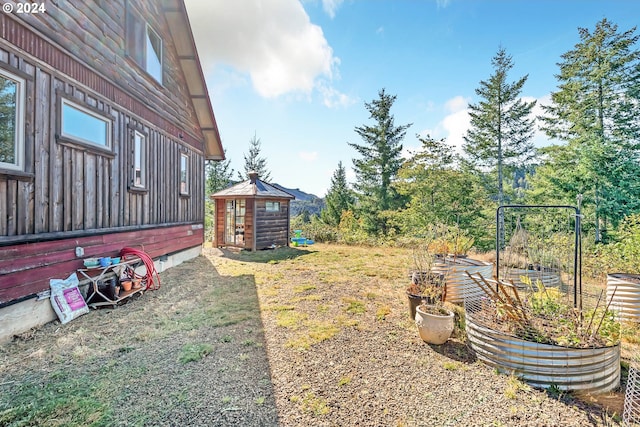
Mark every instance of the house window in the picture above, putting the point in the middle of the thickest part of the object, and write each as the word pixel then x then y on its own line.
pixel 273 206
pixel 139 160
pixel 154 54
pixel 11 121
pixel 82 125
pixel 144 45
pixel 184 174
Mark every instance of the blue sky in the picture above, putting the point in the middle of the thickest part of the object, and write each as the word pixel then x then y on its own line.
pixel 297 73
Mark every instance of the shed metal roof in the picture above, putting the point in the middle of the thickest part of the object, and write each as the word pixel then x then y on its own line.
pixel 249 188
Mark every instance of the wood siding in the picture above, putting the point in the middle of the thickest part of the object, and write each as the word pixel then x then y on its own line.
pixel 272 227
pixel 71 194
pixel 27 269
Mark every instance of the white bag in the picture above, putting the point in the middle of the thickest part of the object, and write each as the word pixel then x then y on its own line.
pixel 66 298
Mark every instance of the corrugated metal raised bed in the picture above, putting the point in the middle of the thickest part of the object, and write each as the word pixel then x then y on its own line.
pixel 549 278
pixel 626 299
pixel 458 284
pixel 595 370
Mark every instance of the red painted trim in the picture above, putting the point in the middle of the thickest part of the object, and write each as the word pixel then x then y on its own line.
pixel 25 269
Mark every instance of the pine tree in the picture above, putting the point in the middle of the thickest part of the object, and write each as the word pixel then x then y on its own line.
pixel 218 175
pixel 339 198
pixel 379 164
pixel 595 111
pixel 501 128
pixel 253 162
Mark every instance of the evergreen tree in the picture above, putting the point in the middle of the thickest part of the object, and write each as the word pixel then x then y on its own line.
pixel 501 128
pixel 253 162
pixel 379 164
pixel 218 175
pixel 595 112
pixel 339 197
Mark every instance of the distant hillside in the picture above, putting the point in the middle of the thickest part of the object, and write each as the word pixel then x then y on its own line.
pixel 303 201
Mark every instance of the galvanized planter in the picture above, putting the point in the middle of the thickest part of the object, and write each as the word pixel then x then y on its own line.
pixel 626 300
pixel 550 279
pixel 458 285
pixel 595 370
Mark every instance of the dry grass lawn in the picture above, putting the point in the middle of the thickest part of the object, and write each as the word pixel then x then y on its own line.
pixel 294 337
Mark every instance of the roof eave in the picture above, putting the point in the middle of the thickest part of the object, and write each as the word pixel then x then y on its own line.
pixel 181 32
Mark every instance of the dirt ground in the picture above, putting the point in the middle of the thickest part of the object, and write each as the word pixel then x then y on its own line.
pixel 316 336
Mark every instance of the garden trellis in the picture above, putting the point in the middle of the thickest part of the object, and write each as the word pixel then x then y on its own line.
pixel 533 318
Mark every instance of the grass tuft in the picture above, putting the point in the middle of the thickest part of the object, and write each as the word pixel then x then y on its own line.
pixel 194 352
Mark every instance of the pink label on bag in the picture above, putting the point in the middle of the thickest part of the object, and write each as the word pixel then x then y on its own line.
pixel 74 299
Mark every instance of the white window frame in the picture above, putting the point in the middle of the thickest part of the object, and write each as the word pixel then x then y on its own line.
pixel 139 159
pixel 18 143
pixel 272 206
pixel 88 112
pixel 184 174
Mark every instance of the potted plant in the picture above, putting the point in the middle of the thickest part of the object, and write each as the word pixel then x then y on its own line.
pixel 435 323
pixel 426 284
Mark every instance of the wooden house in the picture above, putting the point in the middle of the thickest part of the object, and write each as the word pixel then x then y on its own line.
pixel 252 215
pixel 105 127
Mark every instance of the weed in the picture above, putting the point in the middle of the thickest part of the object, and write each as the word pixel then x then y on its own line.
pixel 260 400
pixel 314 404
pixel 243 356
pixel 303 288
pixel 344 381
pixel 248 342
pixel 315 333
pixel 515 385
pixel 354 306
pixel 290 319
pixel 382 312
pixel 451 366
pixel 194 352
pixel 226 338
pixel 227 399
pixel 277 308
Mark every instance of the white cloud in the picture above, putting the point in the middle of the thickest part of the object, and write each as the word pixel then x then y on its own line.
pixel 330 7
pixel 333 98
pixel 273 42
pixel 308 156
pixel 455 124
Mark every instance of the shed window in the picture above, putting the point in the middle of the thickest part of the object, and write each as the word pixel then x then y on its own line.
pixel 144 45
pixel 139 160
pixel 273 206
pixel 81 125
pixel 184 174
pixel 11 121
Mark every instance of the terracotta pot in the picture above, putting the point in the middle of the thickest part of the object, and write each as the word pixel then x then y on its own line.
pixel 126 285
pixel 136 283
pixel 434 328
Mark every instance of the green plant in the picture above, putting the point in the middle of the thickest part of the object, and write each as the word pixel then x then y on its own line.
pixel 194 352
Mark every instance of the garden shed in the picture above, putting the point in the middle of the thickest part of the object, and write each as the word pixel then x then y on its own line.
pixel 252 215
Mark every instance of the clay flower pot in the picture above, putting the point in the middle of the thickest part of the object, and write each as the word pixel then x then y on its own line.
pixel 435 324
pixel 126 285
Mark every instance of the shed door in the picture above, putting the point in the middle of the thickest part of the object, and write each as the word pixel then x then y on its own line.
pixel 234 222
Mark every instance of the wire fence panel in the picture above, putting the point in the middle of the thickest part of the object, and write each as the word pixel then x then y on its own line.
pixel 631 414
